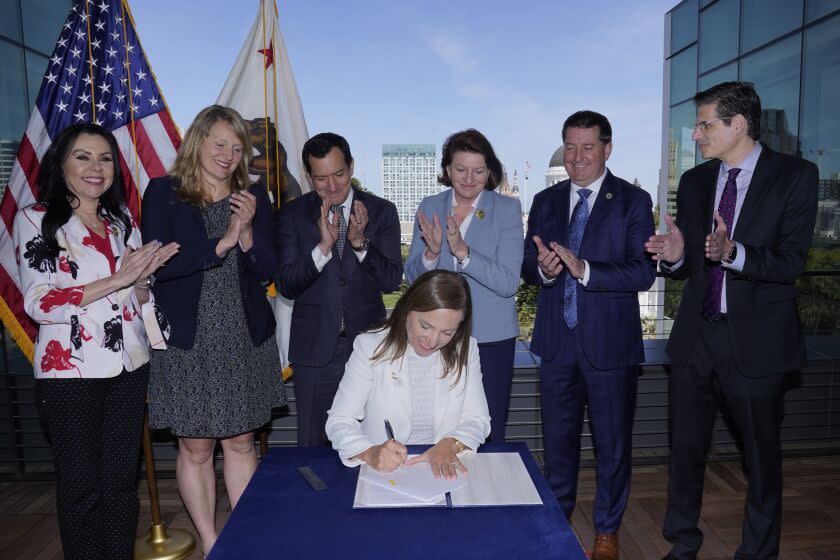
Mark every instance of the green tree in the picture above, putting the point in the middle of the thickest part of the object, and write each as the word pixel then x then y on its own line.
pixel 358 184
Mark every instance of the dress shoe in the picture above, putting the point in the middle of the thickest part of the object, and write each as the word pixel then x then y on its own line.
pixel 606 547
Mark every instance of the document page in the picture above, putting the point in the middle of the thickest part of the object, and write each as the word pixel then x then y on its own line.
pixel 495 479
pixel 415 481
pixel 371 496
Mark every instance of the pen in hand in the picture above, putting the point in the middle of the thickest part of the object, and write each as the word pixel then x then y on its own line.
pixel 389 432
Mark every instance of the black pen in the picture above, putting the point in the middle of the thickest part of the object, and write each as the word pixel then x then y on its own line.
pixel 388 430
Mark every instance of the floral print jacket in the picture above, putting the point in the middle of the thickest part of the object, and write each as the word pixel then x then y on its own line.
pixel 94 341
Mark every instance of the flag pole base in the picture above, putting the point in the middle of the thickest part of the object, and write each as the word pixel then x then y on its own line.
pixel 160 544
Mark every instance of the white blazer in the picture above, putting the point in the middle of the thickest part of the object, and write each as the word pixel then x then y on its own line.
pixel 370 393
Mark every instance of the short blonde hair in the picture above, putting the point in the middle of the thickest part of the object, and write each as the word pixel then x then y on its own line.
pixel 187 166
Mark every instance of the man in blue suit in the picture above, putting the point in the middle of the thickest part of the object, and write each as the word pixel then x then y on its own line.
pixel 585 248
pixel 339 251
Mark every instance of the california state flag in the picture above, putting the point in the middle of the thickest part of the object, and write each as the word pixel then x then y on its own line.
pixel 262 88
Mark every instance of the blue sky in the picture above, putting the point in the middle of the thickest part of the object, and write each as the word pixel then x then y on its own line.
pixel 381 72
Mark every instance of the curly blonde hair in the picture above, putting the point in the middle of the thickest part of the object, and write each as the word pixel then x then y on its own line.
pixel 187 166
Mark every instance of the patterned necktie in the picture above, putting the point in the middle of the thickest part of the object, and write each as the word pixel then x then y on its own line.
pixel 576 226
pixel 342 229
pixel 715 274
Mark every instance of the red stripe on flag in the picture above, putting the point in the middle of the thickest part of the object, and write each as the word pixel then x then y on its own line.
pixel 146 150
pixel 14 300
pixel 8 209
pixel 28 159
pixel 171 129
pixel 131 193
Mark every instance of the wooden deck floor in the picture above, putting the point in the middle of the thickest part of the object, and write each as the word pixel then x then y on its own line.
pixel 809 528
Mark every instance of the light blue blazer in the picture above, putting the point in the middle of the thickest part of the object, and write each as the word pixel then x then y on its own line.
pixel 496 245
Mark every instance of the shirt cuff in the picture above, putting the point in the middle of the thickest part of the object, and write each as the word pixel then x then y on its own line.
pixel 585 278
pixel 738 264
pixel 461 265
pixel 430 264
pixel 319 259
pixel 673 267
pixel 360 255
pixel 545 281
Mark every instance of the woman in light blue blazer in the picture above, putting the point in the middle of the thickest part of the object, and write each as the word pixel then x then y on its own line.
pixel 473 230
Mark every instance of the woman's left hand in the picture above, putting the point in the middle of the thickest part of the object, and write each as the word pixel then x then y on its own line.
pixel 443 458
pixel 457 245
pixel 244 205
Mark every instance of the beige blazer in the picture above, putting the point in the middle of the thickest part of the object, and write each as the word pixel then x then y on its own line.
pixel 370 393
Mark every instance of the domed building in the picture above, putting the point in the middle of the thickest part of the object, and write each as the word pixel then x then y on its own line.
pixel 556 172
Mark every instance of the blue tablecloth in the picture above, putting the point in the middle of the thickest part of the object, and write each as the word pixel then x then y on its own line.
pixel 281 516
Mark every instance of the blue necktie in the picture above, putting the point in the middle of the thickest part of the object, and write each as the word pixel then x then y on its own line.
pixel 576 226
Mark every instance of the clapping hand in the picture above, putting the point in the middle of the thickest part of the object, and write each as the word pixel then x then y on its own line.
pixel 547 259
pixel 328 228
pixel 432 233
pixel 668 247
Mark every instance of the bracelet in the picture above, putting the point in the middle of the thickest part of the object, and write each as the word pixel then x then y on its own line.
pixel 145 286
pixel 461 261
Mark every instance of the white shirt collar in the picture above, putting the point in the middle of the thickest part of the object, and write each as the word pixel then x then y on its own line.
pixel 594 187
pixel 474 202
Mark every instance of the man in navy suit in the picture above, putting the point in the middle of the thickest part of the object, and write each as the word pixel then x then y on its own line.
pixel 745 220
pixel 339 251
pixel 585 248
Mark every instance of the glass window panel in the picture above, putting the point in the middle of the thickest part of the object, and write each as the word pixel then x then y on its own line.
pixel 775 73
pixel 820 131
pixel 684 75
pixel 718 34
pixel 683 25
pixel 10 22
pixel 42 21
pixel 36 66
pixel 818 8
pixel 681 148
pixel 765 20
pixel 728 73
pixel 13 108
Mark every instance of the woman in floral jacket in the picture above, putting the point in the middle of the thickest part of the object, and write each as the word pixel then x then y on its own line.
pixel 84 275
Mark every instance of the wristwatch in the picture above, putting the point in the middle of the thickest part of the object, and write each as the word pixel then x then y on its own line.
pixel 363 247
pixel 730 258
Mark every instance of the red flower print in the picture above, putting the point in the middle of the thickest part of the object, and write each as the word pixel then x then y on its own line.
pixel 61 296
pixel 55 357
pixel 128 315
pixel 88 241
pixel 66 265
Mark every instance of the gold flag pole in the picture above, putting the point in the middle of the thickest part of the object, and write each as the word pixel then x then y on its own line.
pixel 157 543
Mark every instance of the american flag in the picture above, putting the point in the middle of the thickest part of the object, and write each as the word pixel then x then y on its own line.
pixel 97 73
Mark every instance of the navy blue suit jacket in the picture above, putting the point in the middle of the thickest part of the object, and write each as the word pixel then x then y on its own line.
pixel 345 287
pixel 178 283
pixel 609 327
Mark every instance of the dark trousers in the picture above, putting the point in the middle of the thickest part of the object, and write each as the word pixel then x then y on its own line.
pixel 315 389
pixel 568 384
pixel 497 374
pixel 698 387
pixel 95 426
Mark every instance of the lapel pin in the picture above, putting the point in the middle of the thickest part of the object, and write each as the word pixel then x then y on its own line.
pixel 114 231
pixel 609 196
pixel 480 214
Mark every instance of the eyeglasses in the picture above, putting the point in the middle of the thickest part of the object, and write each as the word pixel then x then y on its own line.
pixel 702 126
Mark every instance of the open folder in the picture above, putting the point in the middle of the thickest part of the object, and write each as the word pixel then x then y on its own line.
pixel 494 479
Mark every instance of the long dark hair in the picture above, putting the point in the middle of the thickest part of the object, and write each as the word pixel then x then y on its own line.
pixel 57 197
pixel 433 290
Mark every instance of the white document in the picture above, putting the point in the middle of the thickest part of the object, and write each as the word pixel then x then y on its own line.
pixel 495 479
pixel 371 496
pixel 415 481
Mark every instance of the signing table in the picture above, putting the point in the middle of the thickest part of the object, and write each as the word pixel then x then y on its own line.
pixel 281 516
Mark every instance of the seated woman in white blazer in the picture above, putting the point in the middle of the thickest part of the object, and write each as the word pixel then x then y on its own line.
pixel 421 372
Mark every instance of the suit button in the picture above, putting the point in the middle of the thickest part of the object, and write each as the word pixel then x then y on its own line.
pixel 342 283
pixel 340 307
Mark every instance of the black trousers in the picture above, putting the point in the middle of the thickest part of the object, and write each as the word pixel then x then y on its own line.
pixel 95 426
pixel 698 388
pixel 315 389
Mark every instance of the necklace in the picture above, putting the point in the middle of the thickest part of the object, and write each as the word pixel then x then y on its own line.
pixel 94 222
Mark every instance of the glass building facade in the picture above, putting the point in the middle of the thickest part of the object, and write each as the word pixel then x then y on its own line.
pixel 408 175
pixel 28 31
pixel 790 50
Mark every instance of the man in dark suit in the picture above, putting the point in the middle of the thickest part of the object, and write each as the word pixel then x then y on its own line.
pixel 339 251
pixel 737 331
pixel 585 249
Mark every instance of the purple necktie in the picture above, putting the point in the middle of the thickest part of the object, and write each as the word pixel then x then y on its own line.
pixel 715 274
